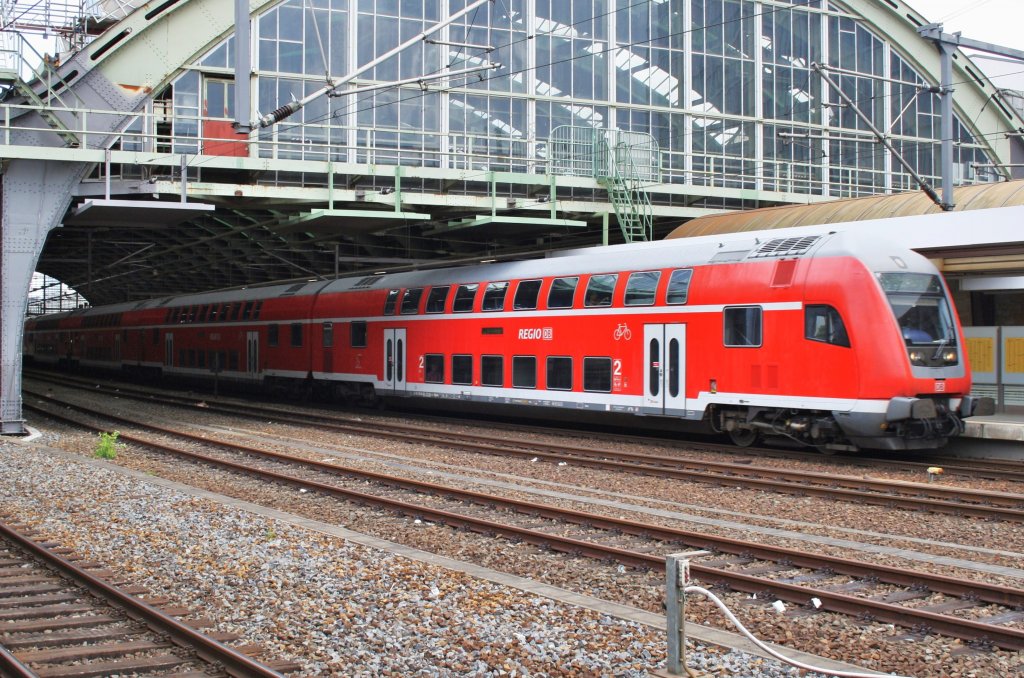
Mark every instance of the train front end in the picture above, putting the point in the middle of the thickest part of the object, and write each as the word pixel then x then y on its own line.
pixel 920 363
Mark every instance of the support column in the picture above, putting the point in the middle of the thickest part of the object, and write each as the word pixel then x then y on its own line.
pixel 35 195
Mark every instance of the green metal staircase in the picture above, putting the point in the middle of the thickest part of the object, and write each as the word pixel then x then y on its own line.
pixel 16 65
pixel 619 174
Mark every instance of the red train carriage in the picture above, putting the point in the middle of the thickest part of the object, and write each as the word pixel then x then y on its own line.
pixel 828 339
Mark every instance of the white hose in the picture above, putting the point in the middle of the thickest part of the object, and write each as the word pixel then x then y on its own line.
pixel 777 655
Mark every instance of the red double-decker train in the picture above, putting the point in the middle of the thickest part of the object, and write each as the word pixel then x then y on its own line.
pixel 833 340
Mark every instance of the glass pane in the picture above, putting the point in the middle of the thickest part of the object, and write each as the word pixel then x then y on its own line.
pixel 526 295
pixel 494 296
pixel 640 288
pixel 524 372
pixel 390 361
pixel 562 292
pixel 464 297
pixel 679 286
pixel 653 369
pixel 560 374
pixel 597 374
pixel 600 289
pixel 462 369
pixel 673 368
pixel 437 298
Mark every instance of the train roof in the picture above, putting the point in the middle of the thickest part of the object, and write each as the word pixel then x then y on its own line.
pixel 831 241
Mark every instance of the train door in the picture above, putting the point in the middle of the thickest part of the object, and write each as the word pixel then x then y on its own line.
pixel 394 359
pixel 169 349
pixel 252 354
pixel 664 369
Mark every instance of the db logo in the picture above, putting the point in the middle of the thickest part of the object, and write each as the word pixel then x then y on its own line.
pixel 940 386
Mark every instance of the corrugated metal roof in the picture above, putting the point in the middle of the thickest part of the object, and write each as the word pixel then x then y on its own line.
pixel 981 196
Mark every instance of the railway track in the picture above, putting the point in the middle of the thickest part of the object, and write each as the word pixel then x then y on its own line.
pixel 920 601
pixel 864 490
pixel 61 616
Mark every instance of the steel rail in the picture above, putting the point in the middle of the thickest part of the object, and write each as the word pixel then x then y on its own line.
pixel 990 469
pixel 792 483
pixel 231 660
pixel 834 601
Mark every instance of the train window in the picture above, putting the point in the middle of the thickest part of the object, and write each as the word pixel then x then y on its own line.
pixel 494 296
pixel 247 311
pixel 559 373
pixel 742 326
pixel 654 368
pixel 273 332
pixel 640 288
pixel 357 334
pixel 437 298
pixel 191 314
pixel 823 323
pixel 328 335
pixel 462 369
pixel 256 310
pixel 296 335
pixel 201 359
pixel 597 375
pixel 433 366
pixel 562 292
pixel 464 297
pixel 233 360
pixel 389 303
pixel 236 308
pixel 679 286
pixel 181 357
pixel 526 295
pixel 599 290
pixel 411 301
pixel 524 371
pixel 191 357
pixel 169 315
pixel 492 370
pixel 204 311
pixel 156 335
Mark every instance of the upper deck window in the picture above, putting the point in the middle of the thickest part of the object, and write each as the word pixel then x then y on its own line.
pixel 390 302
pixel 437 298
pixel 526 295
pixel 600 289
pixel 679 286
pixel 411 301
pixel 562 292
pixel 464 297
pixel 494 296
pixel 640 288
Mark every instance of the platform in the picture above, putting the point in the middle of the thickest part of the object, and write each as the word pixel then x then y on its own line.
pixel 1008 427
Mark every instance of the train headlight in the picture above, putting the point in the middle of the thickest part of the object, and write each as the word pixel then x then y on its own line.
pixel 949 357
pixel 917 357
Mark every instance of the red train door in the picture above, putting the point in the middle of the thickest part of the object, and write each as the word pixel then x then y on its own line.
pixel 664 369
pixel 394 359
pixel 252 354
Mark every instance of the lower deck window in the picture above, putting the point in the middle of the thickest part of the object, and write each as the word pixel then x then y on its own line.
pixel 524 371
pixel 433 368
pixel 597 375
pixel 559 373
pixel 462 369
pixel 742 326
pixel 492 370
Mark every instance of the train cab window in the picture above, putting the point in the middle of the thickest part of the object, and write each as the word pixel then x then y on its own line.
pixel 273 334
pixel 464 297
pixel 328 335
pixel 494 296
pixel 390 302
pixel 462 369
pixel 678 286
pixel 559 373
pixel 562 292
pixel 411 301
pixel 296 331
pixel 597 375
pixel 437 298
pixel 256 310
pixel 742 326
pixel 600 289
pixel 433 368
pixel 357 334
pixel 823 323
pixel 526 295
pixel 492 370
pixel 640 288
pixel 247 311
pixel 524 371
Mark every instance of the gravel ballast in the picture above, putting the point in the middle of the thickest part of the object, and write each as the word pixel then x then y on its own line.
pixel 336 607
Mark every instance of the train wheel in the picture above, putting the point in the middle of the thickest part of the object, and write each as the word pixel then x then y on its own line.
pixel 743 437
